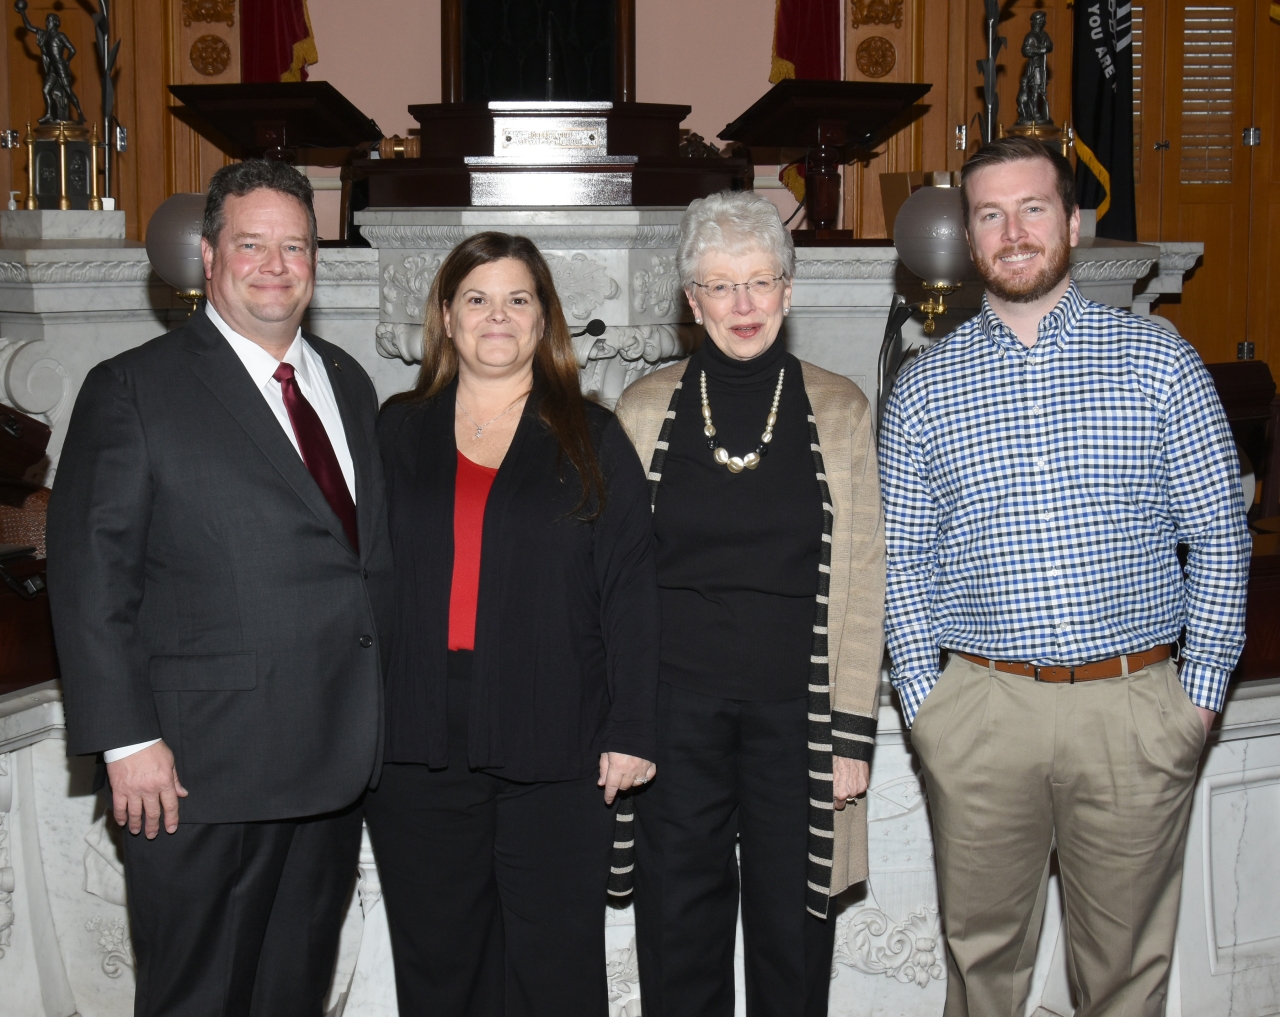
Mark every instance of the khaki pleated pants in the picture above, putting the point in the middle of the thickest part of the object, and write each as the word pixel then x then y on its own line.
pixel 1104 769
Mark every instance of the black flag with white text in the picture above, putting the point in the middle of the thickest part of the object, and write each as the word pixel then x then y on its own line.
pixel 1102 101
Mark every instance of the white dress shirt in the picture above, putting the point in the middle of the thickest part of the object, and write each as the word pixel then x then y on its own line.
pixel 313 380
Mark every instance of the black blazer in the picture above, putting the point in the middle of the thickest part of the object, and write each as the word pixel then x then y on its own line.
pixel 566 657
pixel 203 590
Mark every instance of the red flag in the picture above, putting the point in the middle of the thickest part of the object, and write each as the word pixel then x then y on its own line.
pixel 276 42
pixel 806 40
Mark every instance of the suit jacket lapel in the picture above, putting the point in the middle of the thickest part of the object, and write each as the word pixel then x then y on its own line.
pixel 217 366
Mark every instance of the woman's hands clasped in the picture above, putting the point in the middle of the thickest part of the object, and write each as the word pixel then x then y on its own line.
pixel 620 772
pixel 849 779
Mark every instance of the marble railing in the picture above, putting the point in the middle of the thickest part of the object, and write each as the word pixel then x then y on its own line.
pixel 64 936
pixel 67 304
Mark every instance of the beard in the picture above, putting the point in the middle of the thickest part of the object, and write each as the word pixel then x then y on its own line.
pixel 1030 288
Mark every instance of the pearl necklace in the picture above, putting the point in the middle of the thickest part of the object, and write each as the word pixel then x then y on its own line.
pixel 751 460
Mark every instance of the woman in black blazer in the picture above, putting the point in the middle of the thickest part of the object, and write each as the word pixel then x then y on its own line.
pixel 524 668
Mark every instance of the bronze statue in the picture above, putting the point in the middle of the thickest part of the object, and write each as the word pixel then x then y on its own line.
pixel 1033 99
pixel 52 42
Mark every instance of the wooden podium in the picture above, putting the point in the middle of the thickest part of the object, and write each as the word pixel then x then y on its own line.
pixel 832 120
pixel 295 121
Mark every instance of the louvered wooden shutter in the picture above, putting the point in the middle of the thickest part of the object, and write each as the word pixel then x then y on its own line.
pixel 1208 92
pixel 1138 39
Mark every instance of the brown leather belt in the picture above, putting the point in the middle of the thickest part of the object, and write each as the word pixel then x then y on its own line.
pixel 1110 668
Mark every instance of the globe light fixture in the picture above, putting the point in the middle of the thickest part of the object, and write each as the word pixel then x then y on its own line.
pixel 173 245
pixel 929 234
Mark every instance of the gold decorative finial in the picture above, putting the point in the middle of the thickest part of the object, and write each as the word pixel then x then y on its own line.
pixel 30 142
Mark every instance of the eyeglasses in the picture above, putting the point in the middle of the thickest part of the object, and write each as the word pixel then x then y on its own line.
pixel 722 289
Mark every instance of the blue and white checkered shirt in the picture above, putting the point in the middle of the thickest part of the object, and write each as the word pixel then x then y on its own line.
pixel 1035 499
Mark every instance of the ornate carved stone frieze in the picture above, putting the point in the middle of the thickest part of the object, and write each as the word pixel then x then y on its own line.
pixel 33 381
pixel 210 55
pixel 875 56
pixel 435 238
pixel 210 12
pixel 842 268
pixel 1111 271
pixel 583 284
pixel 346 271
pixel 369 886
pixel 7 881
pixel 656 288
pixel 404 290
pixel 622 971
pixel 1175 262
pixel 870 941
pixel 622 355
pixel 399 341
pixel 875 12
pixel 548 238
pixel 113 944
pixel 87 272
pixel 103 864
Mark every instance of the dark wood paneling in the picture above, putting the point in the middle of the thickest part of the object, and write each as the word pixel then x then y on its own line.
pixel 26 632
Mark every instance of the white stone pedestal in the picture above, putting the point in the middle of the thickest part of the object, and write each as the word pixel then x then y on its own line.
pixel 64 943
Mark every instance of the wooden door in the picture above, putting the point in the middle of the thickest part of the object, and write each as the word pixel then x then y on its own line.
pixel 1149 132
pixel 1206 176
pixel 1264 241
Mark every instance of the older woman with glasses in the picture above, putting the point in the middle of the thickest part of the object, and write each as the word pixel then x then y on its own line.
pixel 771 577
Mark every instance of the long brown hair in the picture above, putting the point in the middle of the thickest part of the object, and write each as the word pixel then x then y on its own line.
pixel 555 365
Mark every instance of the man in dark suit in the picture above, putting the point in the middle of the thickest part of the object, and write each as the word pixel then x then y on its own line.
pixel 219 569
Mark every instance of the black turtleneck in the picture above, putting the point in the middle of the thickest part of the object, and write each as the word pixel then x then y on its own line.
pixel 738 553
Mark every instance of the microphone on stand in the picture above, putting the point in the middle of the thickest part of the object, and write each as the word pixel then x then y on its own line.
pixel 595 327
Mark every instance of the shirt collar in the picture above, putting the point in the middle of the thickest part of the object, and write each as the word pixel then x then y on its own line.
pixel 260 364
pixel 1054 328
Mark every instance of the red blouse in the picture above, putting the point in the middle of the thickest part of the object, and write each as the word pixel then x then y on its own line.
pixel 471 492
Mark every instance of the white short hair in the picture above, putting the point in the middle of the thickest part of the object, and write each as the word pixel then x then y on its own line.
pixel 735 222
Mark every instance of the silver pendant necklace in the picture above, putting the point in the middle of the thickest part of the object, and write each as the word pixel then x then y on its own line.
pixel 751 460
pixel 480 427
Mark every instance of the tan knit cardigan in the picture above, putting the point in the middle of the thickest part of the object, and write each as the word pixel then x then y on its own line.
pixel 855 638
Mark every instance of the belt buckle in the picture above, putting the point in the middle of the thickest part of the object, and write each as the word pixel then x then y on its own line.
pixel 1071 674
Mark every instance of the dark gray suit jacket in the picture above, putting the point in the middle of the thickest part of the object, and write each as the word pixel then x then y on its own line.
pixel 203 590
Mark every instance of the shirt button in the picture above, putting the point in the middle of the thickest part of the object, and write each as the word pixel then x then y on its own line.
pixel 1062 630
pixel 366 641
pixel 364 573
pixel 1040 464
pixel 1035 409
pixel 1046 516
pixel 1054 573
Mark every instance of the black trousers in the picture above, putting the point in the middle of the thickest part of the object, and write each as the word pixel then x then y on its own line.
pixel 232 919
pixel 495 890
pixel 728 770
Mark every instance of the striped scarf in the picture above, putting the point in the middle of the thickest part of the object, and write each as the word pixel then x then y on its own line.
pixel 821 792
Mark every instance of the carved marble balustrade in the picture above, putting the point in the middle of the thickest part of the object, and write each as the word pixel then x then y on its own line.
pixel 65 948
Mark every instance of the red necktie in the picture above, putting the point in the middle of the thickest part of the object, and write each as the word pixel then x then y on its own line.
pixel 317 451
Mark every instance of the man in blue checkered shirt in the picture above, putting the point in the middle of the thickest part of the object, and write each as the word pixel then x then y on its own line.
pixel 1040 467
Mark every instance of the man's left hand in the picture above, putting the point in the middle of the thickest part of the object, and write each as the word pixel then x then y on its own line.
pixel 849 780
pixel 620 772
pixel 1208 716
